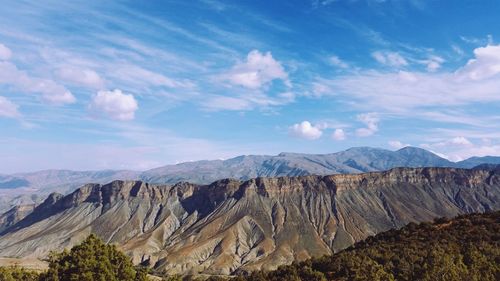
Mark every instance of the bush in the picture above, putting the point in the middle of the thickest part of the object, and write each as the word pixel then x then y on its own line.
pixel 92 260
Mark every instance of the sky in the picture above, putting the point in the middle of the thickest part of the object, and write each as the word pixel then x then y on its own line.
pixel 90 85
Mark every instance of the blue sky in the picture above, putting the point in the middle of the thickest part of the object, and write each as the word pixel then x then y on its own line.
pixel 139 84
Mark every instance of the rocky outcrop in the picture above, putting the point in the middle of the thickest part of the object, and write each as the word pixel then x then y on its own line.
pixel 28 188
pixel 260 223
pixel 15 215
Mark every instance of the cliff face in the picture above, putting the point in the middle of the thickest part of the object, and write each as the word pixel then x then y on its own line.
pixel 260 223
pixel 31 188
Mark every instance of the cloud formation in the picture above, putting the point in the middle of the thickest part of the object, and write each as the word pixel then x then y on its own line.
pixel 305 130
pixel 257 71
pixel 5 53
pixel 390 58
pixel 486 64
pixel 115 104
pixel 338 135
pixel 404 91
pixel 433 63
pixel 51 91
pixel 397 144
pixel 336 61
pixel 8 108
pixel 79 76
pixel 371 121
pixel 460 148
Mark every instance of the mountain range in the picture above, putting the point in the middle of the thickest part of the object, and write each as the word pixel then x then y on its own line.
pixel 30 188
pixel 231 226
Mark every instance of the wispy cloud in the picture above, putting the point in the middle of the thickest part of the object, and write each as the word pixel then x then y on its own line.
pixel 371 121
pixel 336 61
pixel 8 108
pixel 257 71
pixel 51 91
pixel 390 58
pixel 404 91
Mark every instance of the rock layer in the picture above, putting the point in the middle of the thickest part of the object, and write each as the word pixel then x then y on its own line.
pixel 261 223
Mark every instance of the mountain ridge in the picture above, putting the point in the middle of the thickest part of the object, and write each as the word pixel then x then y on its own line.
pixel 260 223
pixel 30 188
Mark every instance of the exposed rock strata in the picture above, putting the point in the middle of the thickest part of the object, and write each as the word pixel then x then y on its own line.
pixel 260 223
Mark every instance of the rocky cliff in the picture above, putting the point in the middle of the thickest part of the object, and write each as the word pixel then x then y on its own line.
pixel 260 223
pixel 31 188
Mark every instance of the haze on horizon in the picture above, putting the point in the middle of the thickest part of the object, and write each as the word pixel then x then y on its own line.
pixel 88 85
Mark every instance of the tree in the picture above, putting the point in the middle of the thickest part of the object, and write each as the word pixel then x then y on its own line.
pixel 92 260
pixel 16 273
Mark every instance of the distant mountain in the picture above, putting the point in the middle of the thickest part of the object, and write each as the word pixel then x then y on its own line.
pixel 28 188
pixel 261 223
pixel 475 161
pixel 354 160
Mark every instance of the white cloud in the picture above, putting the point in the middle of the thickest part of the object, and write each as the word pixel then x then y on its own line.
pixel 390 58
pixel 5 53
pixel 79 76
pixel 51 91
pixel 371 121
pixel 460 141
pixel 115 104
pixel 338 134
pixel 404 91
pixel 397 144
pixel 8 108
pixel 305 130
pixel 259 70
pixel 335 60
pixel 488 40
pixel 486 63
pixel 433 63
pixel 319 89
pixel 459 148
pixel 453 142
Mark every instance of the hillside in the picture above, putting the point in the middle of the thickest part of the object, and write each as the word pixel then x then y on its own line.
pixel 464 248
pixel 230 226
pixel 30 188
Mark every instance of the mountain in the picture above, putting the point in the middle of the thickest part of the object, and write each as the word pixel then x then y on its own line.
pixel 30 188
pixel 15 215
pixel 476 161
pixel 232 226
pixel 463 248
pixel 354 160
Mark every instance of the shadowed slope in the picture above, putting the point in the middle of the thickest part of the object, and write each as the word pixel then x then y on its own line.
pixel 260 223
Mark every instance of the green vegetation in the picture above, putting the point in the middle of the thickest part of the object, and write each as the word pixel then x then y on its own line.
pixel 466 248
pixel 92 260
pixel 16 273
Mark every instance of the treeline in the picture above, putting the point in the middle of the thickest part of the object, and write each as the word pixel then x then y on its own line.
pixel 466 248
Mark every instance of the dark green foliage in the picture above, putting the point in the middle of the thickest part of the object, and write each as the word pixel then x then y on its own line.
pixel 465 248
pixel 92 260
pixel 15 273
